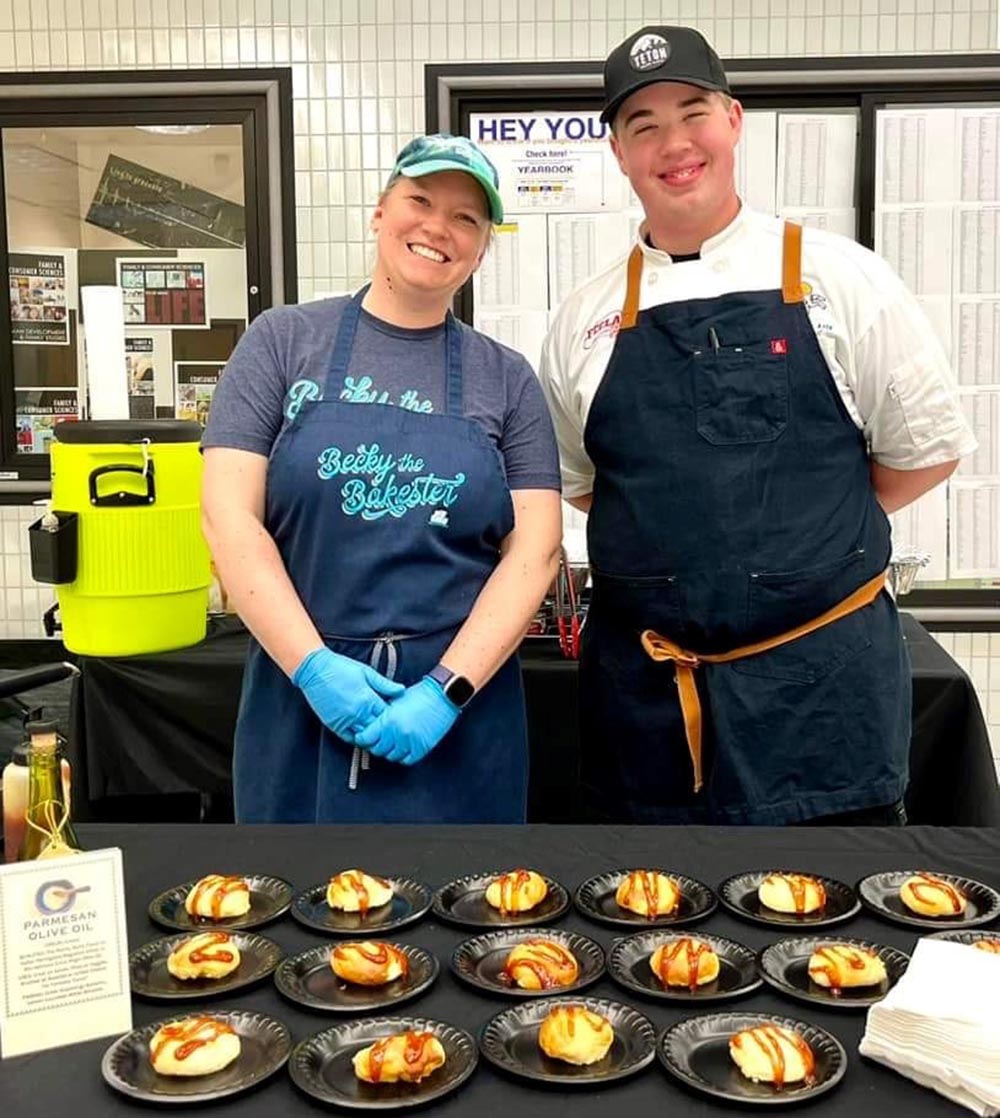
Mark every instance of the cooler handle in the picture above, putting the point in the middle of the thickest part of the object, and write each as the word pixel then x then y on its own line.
pixel 122 498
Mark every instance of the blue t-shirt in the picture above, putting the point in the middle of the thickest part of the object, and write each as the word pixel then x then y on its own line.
pixel 283 358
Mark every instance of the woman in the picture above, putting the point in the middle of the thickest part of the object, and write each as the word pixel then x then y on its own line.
pixel 381 498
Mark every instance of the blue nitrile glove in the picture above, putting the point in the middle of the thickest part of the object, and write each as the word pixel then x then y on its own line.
pixel 345 694
pixel 410 726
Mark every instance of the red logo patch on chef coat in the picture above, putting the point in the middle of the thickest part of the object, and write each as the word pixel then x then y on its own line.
pixel 779 346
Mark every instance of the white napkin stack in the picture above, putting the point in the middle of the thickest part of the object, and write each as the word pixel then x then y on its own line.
pixel 940 1024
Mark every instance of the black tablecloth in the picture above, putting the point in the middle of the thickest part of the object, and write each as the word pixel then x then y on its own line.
pixel 163 724
pixel 68 1081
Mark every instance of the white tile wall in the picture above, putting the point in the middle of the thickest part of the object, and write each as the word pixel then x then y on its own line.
pixel 358 83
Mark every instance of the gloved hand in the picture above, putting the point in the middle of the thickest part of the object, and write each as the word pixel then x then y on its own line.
pixel 345 695
pixel 410 726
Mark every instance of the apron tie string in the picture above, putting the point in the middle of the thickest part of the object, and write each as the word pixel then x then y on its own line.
pixel 361 759
pixel 661 648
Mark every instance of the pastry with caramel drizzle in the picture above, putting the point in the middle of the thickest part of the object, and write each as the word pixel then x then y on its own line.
pixel 401 1058
pixel 792 893
pixel 516 891
pixel 356 891
pixel 836 965
pixel 990 945
pixel 540 964
pixel 771 1053
pixel 648 893
pixel 206 955
pixel 685 962
pixel 928 895
pixel 218 897
pixel 576 1035
pixel 368 963
pixel 193 1046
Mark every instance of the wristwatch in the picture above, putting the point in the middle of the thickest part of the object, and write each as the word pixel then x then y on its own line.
pixel 456 687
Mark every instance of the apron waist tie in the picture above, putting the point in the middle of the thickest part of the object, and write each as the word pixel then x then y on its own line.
pixel 661 648
pixel 361 758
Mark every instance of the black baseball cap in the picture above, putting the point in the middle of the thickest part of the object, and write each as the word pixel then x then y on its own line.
pixel 660 54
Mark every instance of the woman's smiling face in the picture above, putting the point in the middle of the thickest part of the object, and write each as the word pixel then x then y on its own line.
pixel 431 232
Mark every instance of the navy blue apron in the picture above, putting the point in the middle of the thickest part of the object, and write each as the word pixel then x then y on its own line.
pixel 732 503
pixel 389 522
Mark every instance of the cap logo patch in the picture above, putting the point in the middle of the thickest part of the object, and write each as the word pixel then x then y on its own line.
pixel 649 52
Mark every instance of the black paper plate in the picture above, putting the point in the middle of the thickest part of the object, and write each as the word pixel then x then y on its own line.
pixel 265 1046
pixel 696 1052
pixel 785 966
pixel 308 979
pixel 510 1042
pixel 595 898
pixel 410 900
pixel 879 892
pixel 321 1065
pixel 480 961
pixel 269 899
pixel 739 894
pixel 151 979
pixel 966 937
pixel 463 901
pixel 628 965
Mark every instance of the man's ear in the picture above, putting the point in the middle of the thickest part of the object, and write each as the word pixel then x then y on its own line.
pixel 616 149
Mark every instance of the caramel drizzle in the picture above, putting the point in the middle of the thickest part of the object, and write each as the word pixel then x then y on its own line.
pixel 189 1034
pixel 990 945
pixel 511 885
pixel 379 954
pixel 769 1039
pixel 220 887
pixel 573 1013
pixel 355 879
pixel 799 884
pixel 694 950
pixel 930 882
pixel 552 966
pixel 835 956
pixel 207 953
pixel 647 881
pixel 416 1045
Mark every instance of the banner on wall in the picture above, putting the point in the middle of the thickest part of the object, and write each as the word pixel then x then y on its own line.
pixel 37 413
pixel 38 313
pixel 194 386
pixel 163 293
pixel 141 378
pixel 157 210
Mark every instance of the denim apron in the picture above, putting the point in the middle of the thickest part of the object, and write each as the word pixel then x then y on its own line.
pixel 732 503
pixel 389 522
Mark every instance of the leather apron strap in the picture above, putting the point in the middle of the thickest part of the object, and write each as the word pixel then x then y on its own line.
pixel 662 648
pixel 630 311
pixel 791 263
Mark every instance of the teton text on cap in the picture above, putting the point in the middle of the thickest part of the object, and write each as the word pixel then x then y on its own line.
pixel 648 52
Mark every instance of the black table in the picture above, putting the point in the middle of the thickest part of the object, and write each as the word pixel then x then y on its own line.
pixel 68 1081
pixel 162 725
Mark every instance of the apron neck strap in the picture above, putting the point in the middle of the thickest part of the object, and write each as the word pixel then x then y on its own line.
pixel 630 311
pixel 791 263
pixel 344 344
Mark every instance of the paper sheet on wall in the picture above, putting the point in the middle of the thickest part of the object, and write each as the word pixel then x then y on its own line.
pixel 520 329
pixel 756 170
pixel 982 409
pixel 924 526
pixel 976 353
pixel 915 159
pixel 816 160
pixel 580 245
pixel 974 523
pixel 551 160
pixel 979 145
pixel 844 222
pixel 509 275
pixel 915 240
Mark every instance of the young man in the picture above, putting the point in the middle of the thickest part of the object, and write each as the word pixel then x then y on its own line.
pixel 738 407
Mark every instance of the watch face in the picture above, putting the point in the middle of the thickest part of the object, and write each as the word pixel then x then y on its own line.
pixel 459 690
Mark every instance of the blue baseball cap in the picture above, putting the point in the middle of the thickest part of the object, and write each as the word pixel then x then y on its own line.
pixel 427 155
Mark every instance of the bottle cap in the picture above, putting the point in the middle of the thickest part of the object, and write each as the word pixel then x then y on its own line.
pixel 20 753
pixel 41 727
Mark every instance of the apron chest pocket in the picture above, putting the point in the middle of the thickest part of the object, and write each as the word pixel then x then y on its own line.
pixel 741 393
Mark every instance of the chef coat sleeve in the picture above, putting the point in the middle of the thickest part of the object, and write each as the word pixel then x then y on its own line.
pixel 565 406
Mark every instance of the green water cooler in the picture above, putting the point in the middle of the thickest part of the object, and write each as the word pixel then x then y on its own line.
pixel 123 544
